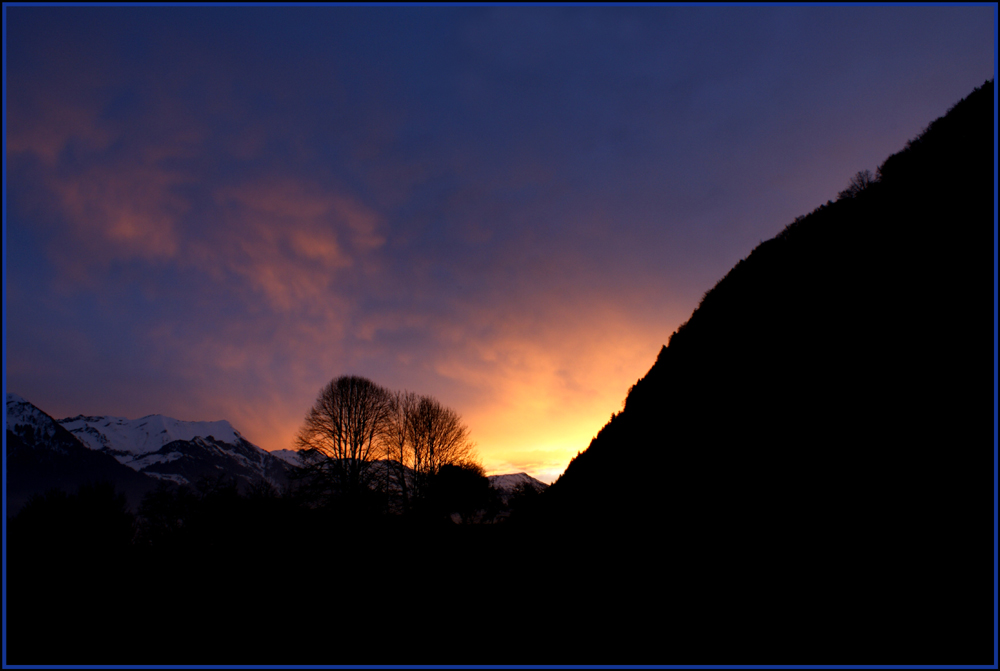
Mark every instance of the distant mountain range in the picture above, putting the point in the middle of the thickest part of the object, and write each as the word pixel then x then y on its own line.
pixel 134 454
pixel 137 454
pixel 42 455
pixel 182 452
pixel 507 483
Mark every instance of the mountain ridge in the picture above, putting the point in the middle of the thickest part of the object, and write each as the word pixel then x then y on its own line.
pixel 42 455
pixel 159 449
pixel 810 434
pixel 135 455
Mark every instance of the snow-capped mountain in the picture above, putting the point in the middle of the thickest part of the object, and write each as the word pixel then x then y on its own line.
pixel 507 483
pixel 20 413
pixel 179 451
pixel 290 457
pixel 131 438
pixel 42 455
pixel 134 454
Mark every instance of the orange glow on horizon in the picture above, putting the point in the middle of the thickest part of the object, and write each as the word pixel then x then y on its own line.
pixel 538 404
pixel 535 362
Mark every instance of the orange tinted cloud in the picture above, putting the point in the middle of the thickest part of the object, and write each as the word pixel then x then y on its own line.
pixel 124 197
pixel 130 211
pixel 290 239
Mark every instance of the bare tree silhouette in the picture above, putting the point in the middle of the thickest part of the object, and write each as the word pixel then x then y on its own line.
pixel 343 435
pixel 398 445
pixel 437 438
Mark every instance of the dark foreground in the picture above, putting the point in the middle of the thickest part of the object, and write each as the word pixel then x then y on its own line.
pixel 324 591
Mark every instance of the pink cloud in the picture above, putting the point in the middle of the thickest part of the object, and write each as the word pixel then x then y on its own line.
pixel 129 212
pixel 289 239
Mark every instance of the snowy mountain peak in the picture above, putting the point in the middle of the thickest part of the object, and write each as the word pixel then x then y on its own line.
pixel 288 456
pixel 509 481
pixel 146 434
pixel 23 412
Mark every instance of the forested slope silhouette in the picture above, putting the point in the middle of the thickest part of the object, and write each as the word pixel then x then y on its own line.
pixel 811 448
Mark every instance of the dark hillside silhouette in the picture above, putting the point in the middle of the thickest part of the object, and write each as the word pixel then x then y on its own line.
pixel 809 453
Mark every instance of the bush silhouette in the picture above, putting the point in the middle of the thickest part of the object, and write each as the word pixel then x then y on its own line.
pixel 861 181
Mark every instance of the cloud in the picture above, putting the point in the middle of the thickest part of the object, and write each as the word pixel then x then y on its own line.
pixel 288 240
pixel 243 272
pixel 129 211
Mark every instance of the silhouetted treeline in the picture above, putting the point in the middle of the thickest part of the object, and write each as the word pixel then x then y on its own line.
pixel 208 574
pixel 363 446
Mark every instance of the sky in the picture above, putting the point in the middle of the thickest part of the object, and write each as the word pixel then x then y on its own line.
pixel 211 212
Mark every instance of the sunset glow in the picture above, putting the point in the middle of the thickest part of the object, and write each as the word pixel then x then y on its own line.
pixel 212 213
